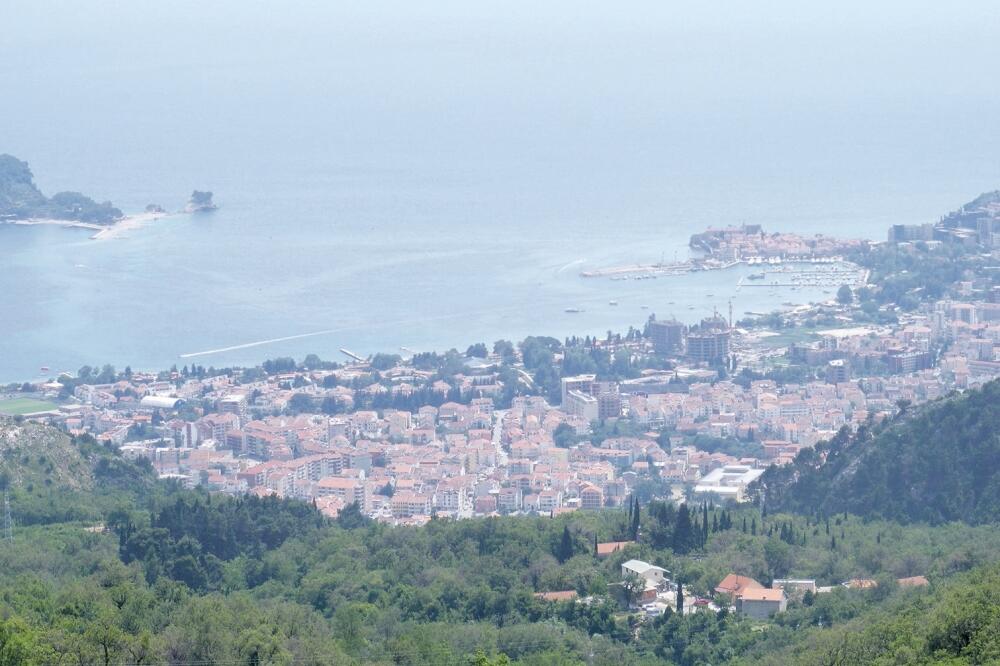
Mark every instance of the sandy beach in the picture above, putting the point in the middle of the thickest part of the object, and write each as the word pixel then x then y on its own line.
pixel 74 224
pixel 128 223
pixel 102 231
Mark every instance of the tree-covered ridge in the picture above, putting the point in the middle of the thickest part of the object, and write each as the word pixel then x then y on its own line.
pixel 935 464
pixel 21 199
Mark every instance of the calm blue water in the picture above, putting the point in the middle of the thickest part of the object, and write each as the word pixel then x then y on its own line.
pixel 438 176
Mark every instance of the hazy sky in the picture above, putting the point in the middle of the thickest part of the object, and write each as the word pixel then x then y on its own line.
pixel 668 86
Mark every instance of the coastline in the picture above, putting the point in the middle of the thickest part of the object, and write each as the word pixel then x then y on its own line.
pixel 129 223
pixel 102 231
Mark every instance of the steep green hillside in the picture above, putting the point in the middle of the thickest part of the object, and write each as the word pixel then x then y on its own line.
pixel 51 477
pixel 935 464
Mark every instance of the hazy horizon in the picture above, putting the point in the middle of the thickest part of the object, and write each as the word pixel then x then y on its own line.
pixel 436 169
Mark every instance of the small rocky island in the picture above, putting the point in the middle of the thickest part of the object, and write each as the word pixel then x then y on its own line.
pixel 20 199
pixel 200 202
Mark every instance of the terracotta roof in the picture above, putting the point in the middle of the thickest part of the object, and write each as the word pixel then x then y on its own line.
pixel 761 594
pixel 913 581
pixel 565 595
pixel 861 583
pixel 611 547
pixel 736 584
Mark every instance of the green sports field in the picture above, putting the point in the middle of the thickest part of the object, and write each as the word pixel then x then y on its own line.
pixel 24 406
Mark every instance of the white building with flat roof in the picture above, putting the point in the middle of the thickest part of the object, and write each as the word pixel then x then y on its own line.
pixel 583 405
pixel 728 482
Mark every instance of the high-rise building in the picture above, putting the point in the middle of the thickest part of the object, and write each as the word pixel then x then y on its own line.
pixel 837 371
pixel 709 342
pixel 667 335
pixel 582 383
pixel 609 404
pixel 235 404
pixel 584 405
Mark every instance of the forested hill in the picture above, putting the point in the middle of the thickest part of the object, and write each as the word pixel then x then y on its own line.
pixel 21 199
pixel 936 463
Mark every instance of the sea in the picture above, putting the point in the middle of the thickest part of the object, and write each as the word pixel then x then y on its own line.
pixel 399 177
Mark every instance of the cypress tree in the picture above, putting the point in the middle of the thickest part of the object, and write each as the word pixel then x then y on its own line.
pixel 635 522
pixel 744 524
pixel 833 543
pixel 682 541
pixel 753 527
pixel 680 598
pixel 704 524
pixel 565 550
pixel 715 522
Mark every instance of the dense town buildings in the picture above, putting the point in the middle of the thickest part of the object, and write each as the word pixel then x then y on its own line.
pixel 411 445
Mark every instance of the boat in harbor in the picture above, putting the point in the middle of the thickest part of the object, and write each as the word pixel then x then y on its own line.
pixel 573 310
pixel 612 302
